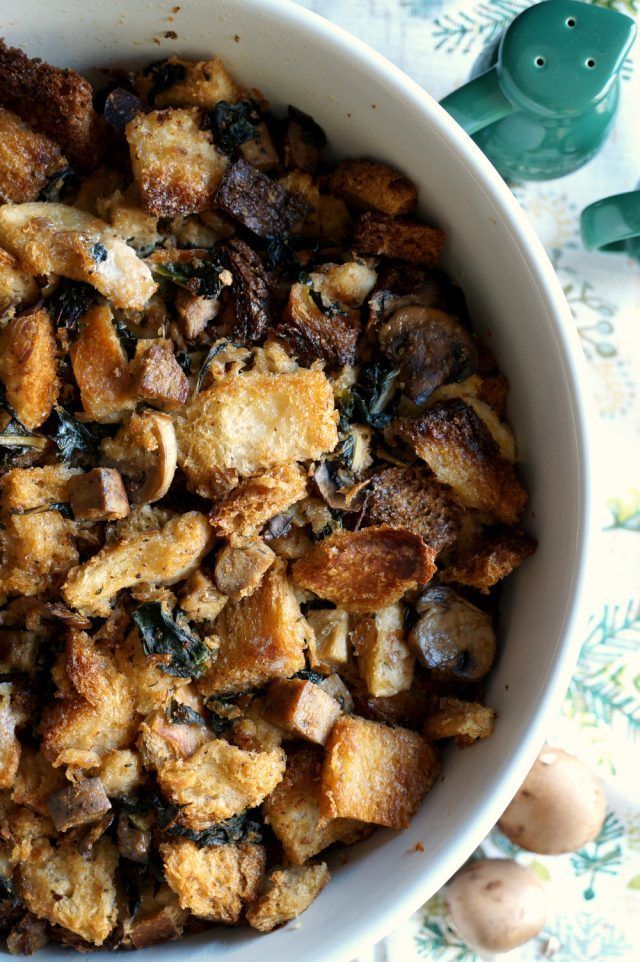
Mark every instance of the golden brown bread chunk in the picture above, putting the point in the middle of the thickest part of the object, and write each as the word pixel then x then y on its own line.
pixel 256 500
pixel 289 892
pixel 398 237
pixel 29 366
pixel 55 102
pixel 261 637
pixel 463 720
pixel 27 160
pixel 300 708
pixel 371 185
pixel 214 882
pixel 220 780
pixel 71 889
pixel 368 569
pixel 461 452
pixel 495 554
pixel 17 287
pixel 375 773
pixel 384 659
pixel 101 368
pixel 196 83
pixel 36 780
pixel 176 166
pixel 9 744
pixel 292 809
pixel 412 498
pixel 121 772
pixel 158 919
pixel 157 377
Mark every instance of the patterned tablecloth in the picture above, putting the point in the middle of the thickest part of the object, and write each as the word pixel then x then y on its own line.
pixel 594 895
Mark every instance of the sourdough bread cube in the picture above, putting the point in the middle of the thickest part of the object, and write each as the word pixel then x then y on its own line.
pixel 197 83
pixel 256 500
pixel 27 159
pixel 289 892
pixel 375 773
pixel 301 708
pixel 29 366
pixel 17 286
pixel 465 721
pixel 369 184
pixel 384 659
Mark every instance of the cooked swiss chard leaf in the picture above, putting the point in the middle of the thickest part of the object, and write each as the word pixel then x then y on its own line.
pixel 99 252
pixel 233 124
pixel 60 186
pixel 61 506
pixel 70 302
pixel 71 436
pixel 238 828
pixel 200 277
pixel 163 75
pixel 372 400
pixel 126 338
pixel 307 674
pixel 186 655
pixel 180 714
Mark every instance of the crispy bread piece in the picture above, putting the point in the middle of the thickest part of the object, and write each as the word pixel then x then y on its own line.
pixel 29 366
pixel 261 637
pixel 36 780
pixel 215 882
pixel 496 554
pixel 370 185
pixel 176 165
pixel 300 708
pixel 121 772
pixel 159 557
pixel 101 368
pixel 27 159
pixel 412 498
pixel 158 919
pixel 17 287
pixel 255 421
pixel 263 205
pixel 58 239
pixel 55 102
pixel 77 891
pixel 461 452
pixel 292 809
pixel 194 83
pixel 122 211
pixel 256 500
pixel 157 377
pixel 384 659
pixel 311 334
pixel 220 780
pixel 470 391
pixel 9 744
pixel 288 893
pixel 400 238
pixel 375 773
pixel 366 570
pixel 465 721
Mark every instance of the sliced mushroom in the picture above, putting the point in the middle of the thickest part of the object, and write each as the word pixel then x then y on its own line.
pixel 79 804
pixel 133 843
pixel 348 498
pixel 401 285
pixel 453 636
pixel 241 566
pixel 145 451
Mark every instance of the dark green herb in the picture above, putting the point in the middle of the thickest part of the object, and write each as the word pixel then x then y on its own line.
pixel 71 436
pixel 99 252
pixel 70 302
pixel 214 350
pixel 371 401
pixel 61 506
pixel 233 124
pixel 307 674
pixel 188 656
pixel 330 310
pixel 60 186
pixel 163 75
pixel 126 338
pixel 181 714
pixel 199 277
pixel 239 828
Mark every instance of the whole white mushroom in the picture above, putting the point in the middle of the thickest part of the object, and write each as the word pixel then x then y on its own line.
pixel 559 807
pixel 496 905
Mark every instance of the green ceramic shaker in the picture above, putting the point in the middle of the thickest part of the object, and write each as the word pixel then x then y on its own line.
pixel 613 224
pixel 547 103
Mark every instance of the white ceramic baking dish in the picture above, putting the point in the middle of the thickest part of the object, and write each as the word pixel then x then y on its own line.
pixel 369 107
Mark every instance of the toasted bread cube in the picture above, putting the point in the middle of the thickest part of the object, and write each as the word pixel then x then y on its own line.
pixel 470 390
pixel 27 159
pixel 465 721
pixel 158 379
pixel 201 83
pixel 371 185
pixel 289 892
pixel 29 366
pixel 101 368
pixel 215 882
pixel 17 287
pixel 58 239
pixel 99 495
pixel 311 334
pixel 220 780
pixel 121 209
pixel 56 102
pixel 255 421
pixel 399 238
pixel 329 646
pixel 19 651
pixel 121 772
pixel 412 498
pixel 292 809
pixel 366 570
pixel 253 733
pixel 159 557
pixel 384 659
pixel 77 891
pixel 301 708
pixel 9 744
pixel 158 919
pixel 241 566
pixel 256 500
pixel 375 773
pixel 36 780
pixel 177 167
pixel 201 599
pixel 496 554
pixel 461 452
pixel 261 637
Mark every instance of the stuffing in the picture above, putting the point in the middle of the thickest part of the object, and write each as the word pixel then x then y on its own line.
pixel 158 918
pixel 375 773
pixel 463 720
pixel 329 646
pixel 176 166
pixel 398 237
pixel 300 708
pixel 251 732
pixel 99 495
pixel 366 570
pixel 36 779
pixel 9 744
pixel 371 185
pixel 122 211
pixel 17 287
pixel 162 739
pixel 27 160
pixel 303 141
pixel 261 637
pixel 313 334
pixel 200 598
pixel 384 659
pixel 259 203
pixel 251 422
pixel 157 378
pixel 470 390
pixel 219 780
pixel 495 554
pixel 121 772
pixel 101 368
pixel 293 809
pixel 202 83
pixel 241 566
pixel 250 288
pixel 256 500
pixel 214 883
pixel 81 803
pixel 29 366
pixel 289 891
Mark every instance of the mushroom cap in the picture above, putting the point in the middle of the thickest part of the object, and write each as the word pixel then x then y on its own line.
pixel 452 635
pixel 496 905
pixel 559 807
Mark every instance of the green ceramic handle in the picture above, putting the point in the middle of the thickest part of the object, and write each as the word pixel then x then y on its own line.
pixel 609 224
pixel 478 103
